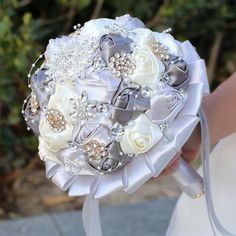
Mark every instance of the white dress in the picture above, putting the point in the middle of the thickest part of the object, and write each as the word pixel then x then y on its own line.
pixel 190 216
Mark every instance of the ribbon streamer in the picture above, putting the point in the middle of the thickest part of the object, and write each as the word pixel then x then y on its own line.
pixel 205 153
pixel 91 217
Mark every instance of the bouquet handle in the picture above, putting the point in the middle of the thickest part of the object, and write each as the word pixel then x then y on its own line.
pixel 188 180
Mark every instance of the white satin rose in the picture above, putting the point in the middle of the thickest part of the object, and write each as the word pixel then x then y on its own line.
pixel 148 69
pixel 144 37
pixel 97 27
pixel 54 46
pixel 44 153
pixel 140 137
pixel 169 41
pixel 60 100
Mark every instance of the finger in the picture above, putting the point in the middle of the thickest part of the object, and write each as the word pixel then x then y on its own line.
pixel 171 167
pixel 191 155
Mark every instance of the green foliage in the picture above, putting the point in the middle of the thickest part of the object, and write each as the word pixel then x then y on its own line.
pixel 26 27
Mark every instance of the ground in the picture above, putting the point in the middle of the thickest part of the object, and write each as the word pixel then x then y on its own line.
pixel 28 192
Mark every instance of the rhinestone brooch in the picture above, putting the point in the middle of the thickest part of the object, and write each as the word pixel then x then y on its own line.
pixel 95 150
pixel 34 104
pixel 56 120
pixel 122 65
pixel 82 109
pixel 161 51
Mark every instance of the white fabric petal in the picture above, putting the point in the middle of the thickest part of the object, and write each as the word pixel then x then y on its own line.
pixel 109 183
pixel 51 168
pixel 63 179
pixel 194 93
pixel 177 136
pixel 82 185
pixel 138 173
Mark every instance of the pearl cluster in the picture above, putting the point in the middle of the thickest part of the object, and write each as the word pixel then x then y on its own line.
pixel 95 150
pixel 56 120
pixel 161 51
pixel 34 104
pixel 122 65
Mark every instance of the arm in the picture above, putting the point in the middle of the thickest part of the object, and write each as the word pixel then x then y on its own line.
pixel 220 109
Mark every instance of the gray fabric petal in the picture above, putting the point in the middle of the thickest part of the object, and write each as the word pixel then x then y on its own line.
pixel 178 73
pixel 111 44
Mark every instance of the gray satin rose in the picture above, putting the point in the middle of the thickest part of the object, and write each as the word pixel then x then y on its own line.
pixel 128 103
pixel 101 154
pixel 177 72
pixel 165 106
pixel 129 22
pixel 110 44
pixel 38 84
pixel 115 161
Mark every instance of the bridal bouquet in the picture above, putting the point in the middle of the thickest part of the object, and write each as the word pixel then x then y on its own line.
pixel 112 103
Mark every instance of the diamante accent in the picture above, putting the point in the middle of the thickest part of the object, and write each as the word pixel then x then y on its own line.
pixel 34 104
pixel 95 150
pixel 122 65
pixel 56 120
pixel 161 51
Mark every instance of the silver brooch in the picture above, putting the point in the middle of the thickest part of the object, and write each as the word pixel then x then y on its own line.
pixel 82 109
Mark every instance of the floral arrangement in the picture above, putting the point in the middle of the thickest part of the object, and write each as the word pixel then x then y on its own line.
pixel 112 103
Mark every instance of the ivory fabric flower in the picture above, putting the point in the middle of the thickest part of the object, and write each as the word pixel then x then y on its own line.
pixel 144 37
pixel 44 153
pixel 141 137
pixel 148 68
pixel 59 101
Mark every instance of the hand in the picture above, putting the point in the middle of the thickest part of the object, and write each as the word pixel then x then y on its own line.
pixel 190 152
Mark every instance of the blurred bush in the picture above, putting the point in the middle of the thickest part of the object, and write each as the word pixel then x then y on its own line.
pixel 27 25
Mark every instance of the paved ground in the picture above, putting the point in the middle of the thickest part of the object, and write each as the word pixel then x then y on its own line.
pixel 148 218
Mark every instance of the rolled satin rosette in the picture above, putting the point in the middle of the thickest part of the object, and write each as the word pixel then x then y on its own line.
pixel 112 104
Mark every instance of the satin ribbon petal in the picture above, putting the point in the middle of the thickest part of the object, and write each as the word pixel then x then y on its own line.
pixel 177 136
pixel 194 93
pixel 108 184
pixel 82 185
pixel 138 173
pixel 189 52
pixel 63 179
pixel 51 168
